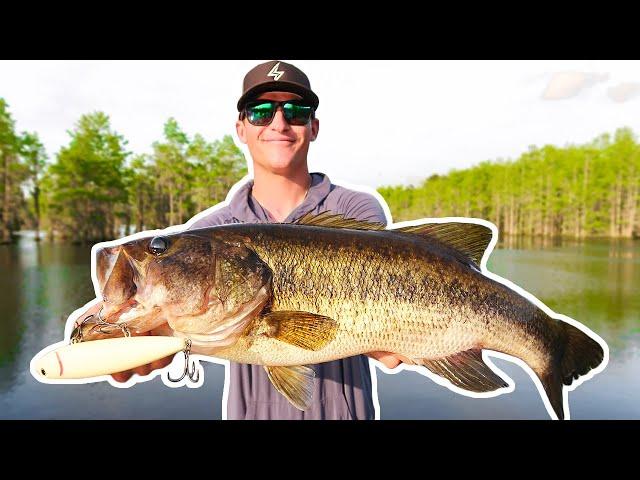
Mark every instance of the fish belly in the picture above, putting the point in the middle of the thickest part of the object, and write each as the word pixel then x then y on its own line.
pixel 426 337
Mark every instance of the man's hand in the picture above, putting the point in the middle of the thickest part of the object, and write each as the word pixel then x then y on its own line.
pixel 143 369
pixel 388 359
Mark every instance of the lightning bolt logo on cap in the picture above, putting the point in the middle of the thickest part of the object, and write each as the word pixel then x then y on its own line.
pixel 264 77
pixel 275 73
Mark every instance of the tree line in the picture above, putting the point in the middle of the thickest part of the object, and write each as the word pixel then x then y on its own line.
pixel 574 191
pixel 95 189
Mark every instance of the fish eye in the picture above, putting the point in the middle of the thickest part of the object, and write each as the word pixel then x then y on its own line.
pixel 158 245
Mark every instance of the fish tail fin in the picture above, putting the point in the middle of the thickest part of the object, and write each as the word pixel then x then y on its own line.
pixel 553 388
pixel 577 354
pixel 581 354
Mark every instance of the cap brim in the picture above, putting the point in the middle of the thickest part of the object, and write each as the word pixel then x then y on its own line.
pixel 278 86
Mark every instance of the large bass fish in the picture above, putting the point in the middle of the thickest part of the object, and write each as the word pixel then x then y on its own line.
pixel 288 295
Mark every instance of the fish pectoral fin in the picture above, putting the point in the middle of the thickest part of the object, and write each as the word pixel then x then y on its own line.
pixel 302 329
pixel 295 383
pixel 466 370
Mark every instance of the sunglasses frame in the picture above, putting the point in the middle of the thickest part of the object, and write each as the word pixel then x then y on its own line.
pixel 244 114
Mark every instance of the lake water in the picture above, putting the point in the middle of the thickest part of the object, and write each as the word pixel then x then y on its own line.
pixel 596 282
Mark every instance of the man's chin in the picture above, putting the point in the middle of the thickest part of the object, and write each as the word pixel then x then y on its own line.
pixel 281 166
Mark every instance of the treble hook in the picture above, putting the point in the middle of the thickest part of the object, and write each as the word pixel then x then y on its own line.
pixel 193 374
pixel 102 323
pixel 76 335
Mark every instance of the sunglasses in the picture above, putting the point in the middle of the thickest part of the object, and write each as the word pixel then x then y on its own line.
pixel 261 112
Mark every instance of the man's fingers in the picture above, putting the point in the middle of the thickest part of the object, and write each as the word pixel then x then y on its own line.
pixel 388 359
pixel 122 376
pixel 142 370
pixel 390 362
pixel 163 362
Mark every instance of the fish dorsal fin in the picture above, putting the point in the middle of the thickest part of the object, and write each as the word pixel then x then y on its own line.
pixel 336 220
pixel 466 370
pixel 295 383
pixel 470 239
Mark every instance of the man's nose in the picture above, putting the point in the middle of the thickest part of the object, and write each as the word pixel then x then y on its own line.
pixel 279 123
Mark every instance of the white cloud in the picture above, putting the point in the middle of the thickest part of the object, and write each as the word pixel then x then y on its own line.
pixel 624 91
pixel 569 84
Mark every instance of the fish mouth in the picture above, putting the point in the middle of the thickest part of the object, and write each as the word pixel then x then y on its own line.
pixel 116 260
pixel 116 274
pixel 117 313
pixel 106 258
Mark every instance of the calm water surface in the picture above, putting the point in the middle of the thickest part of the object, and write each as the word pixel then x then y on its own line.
pixel 596 282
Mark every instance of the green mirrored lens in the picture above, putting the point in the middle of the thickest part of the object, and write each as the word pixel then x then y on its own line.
pixel 297 114
pixel 260 113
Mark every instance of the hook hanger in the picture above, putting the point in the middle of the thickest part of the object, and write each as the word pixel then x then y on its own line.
pixel 192 373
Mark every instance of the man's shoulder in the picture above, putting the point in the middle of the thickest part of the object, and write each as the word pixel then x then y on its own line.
pixel 218 216
pixel 355 203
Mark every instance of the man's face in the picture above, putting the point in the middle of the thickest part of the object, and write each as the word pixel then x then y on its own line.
pixel 278 147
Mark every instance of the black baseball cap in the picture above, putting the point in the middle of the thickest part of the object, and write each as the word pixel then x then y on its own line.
pixel 276 76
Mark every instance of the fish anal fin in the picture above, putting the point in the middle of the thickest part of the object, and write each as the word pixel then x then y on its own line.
pixel 466 370
pixel 294 382
pixel 302 329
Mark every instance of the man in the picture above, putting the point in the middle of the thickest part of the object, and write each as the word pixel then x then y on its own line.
pixel 277 122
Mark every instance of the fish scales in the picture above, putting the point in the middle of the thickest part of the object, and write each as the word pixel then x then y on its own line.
pixel 388 292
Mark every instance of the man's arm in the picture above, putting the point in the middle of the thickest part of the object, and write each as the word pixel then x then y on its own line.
pixel 361 206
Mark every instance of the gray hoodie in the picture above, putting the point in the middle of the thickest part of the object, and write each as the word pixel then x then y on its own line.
pixel 343 387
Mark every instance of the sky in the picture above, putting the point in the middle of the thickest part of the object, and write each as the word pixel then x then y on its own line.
pixel 381 122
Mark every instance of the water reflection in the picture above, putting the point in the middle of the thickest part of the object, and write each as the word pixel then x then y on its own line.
pixel 593 281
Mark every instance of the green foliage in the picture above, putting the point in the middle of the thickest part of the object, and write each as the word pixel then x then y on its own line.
pixel 8 138
pixel 218 166
pixel 96 190
pixel 577 191
pixel 34 155
pixel 12 174
pixel 190 175
pixel 87 185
